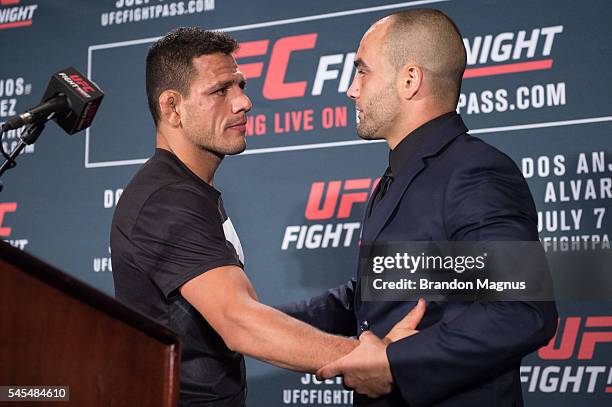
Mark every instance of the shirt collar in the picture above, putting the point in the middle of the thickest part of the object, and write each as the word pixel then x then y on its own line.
pixel 409 144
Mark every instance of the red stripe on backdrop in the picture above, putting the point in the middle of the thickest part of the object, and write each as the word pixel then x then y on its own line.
pixel 508 68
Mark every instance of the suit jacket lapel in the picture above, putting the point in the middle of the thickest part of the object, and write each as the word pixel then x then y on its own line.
pixel 431 145
pixel 374 224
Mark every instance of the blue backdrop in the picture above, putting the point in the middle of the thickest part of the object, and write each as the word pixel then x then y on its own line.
pixel 537 87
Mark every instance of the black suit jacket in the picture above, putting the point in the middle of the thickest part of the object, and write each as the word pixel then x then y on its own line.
pixel 455 188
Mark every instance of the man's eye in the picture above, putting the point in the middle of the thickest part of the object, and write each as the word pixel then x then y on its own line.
pixel 221 92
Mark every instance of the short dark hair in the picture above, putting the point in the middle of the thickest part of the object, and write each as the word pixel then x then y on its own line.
pixel 430 37
pixel 170 60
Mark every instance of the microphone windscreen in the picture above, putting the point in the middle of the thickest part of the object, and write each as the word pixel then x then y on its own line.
pixel 83 95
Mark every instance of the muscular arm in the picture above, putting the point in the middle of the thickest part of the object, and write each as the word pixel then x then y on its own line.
pixel 227 300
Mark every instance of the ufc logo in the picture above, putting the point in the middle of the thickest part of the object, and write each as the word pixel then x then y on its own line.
pixel 339 198
pixel 275 86
pixel 9 2
pixel 597 330
pixel 4 208
pixel 82 83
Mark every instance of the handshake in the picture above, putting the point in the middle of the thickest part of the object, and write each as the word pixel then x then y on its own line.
pixel 366 369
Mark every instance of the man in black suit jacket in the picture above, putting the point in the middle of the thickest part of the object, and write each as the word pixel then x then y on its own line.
pixel 442 185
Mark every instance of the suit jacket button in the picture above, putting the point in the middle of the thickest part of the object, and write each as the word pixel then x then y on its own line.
pixel 364 326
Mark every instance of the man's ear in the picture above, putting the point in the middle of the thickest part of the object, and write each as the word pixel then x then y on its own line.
pixel 411 80
pixel 169 101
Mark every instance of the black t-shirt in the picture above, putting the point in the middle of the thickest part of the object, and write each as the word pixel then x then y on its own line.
pixel 169 227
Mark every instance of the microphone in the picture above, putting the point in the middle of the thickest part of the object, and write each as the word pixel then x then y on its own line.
pixel 57 104
pixel 70 99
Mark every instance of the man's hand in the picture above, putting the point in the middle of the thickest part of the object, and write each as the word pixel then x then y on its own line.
pixel 366 369
pixel 407 325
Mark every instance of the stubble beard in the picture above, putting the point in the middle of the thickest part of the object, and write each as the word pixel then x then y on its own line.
pixel 217 145
pixel 380 111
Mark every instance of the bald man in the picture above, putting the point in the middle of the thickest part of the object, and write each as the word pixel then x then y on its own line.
pixel 441 184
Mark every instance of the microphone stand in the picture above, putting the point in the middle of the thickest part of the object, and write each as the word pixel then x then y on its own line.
pixel 28 136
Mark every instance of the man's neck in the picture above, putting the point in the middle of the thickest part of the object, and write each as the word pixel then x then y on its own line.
pixel 412 122
pixel 201 162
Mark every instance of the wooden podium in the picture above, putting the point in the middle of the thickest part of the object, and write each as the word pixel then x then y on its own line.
pixel 58 331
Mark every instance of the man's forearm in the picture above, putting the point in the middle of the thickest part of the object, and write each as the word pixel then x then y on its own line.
pixel 265 333
pixel 232 308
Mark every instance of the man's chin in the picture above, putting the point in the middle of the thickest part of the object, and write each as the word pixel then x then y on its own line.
pixel 227 150
pixel 367 135
pixel 237 149
pixel 366 132
pixel 236 152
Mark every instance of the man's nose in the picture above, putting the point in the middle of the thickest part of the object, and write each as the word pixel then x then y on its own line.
pixel 353 90
pixel 242 103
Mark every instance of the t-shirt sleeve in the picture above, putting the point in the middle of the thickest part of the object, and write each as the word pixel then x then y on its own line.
pixel 179 235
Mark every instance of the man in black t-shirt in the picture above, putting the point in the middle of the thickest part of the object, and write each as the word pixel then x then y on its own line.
pixel 175 253
pixel 169 227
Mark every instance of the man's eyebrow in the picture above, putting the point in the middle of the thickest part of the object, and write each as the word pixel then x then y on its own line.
pixel 223 84
pixel 359 63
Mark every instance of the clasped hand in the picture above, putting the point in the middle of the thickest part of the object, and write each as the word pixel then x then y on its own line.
pixel 366 369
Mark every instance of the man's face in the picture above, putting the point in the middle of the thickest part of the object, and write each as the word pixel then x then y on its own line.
pixel 213 114
pixel 374 87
